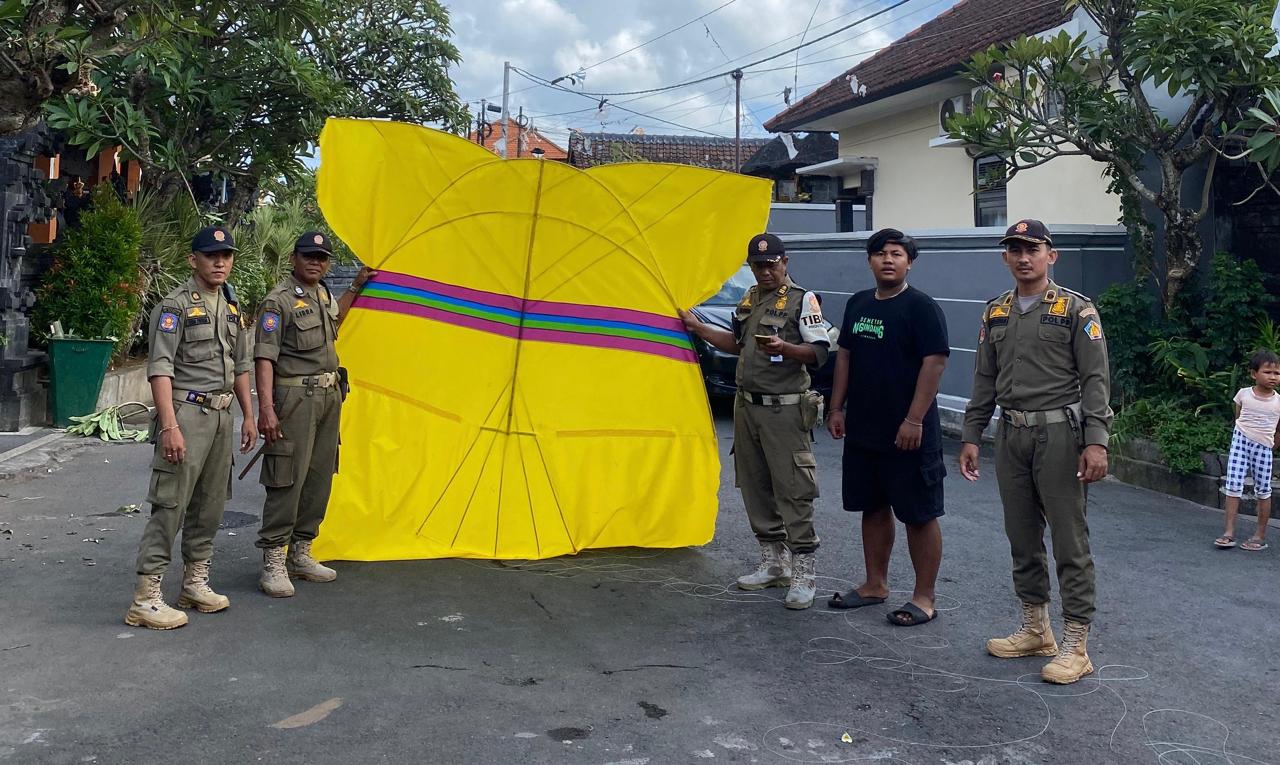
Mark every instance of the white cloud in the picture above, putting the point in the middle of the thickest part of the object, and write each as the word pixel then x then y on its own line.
pixel 551 38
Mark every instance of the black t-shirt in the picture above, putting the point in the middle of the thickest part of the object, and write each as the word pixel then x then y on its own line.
pixel 887 341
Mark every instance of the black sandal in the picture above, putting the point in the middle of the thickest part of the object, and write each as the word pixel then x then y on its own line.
pixel 852 599
pixel 914 616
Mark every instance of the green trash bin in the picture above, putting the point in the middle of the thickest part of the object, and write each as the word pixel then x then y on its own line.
pixel 76 369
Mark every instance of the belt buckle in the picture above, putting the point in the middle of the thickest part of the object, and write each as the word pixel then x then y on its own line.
pixel 197 397
pixel 1018 418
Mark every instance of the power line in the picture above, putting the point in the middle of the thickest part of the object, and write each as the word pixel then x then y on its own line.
pixel 659 37
pixel 535 78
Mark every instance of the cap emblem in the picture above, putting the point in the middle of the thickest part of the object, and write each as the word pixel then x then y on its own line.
pixel 1021 228
pixel 219 235
pixel 318 239
pixel 762 246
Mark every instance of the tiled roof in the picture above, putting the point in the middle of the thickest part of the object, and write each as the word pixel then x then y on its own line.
pixel 532 140
pixel 935 50
pixel 591 149
pixel 774 159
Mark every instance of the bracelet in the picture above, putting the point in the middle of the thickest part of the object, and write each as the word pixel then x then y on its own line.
pixel 165 430
pixel 914 424
pixel 353 289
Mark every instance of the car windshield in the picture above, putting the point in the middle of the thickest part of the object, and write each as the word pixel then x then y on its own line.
pixel 734 289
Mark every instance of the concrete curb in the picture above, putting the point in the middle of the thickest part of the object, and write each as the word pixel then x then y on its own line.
pixel 18 451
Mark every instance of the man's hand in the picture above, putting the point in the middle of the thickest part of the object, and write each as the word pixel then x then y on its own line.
pixel 691 322
pixel 969 462
pixel 364 275
pixel 909 436
pixel 835 424
pixel 269 424
pixel 1093 464
pixel 173 445
pixel 774 346
pixel 248 435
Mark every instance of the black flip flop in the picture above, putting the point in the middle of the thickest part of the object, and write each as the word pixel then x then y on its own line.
pixel 912 610
pixel 852 599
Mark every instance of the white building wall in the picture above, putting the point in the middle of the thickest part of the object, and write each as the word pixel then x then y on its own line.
pixel 919 187
pixel 1066 190
pixel 916 187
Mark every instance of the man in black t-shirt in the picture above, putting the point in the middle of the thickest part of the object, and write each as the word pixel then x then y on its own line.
pixel 893 348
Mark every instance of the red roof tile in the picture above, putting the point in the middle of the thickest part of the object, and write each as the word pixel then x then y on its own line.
pixel 935 50
pixel 591 149
pixel 532 140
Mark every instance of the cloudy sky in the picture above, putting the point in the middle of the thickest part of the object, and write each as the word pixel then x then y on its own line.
pixel 551 38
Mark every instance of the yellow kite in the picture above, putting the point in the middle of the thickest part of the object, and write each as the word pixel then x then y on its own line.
pixel 521 384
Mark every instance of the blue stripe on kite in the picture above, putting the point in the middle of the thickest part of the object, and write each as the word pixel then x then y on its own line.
pixel 556 318
pixel 447 299
pixel 611 324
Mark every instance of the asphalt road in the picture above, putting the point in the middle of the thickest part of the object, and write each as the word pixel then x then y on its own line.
pixel 626 657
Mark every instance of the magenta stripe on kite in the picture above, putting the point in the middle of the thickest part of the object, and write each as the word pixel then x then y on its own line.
pixel 530 333
pixel 450 290
pixel 572 310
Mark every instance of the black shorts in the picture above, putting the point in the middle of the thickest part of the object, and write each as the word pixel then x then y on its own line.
pixel 909 482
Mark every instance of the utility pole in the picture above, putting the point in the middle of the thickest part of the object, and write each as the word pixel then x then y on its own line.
pixel 506 92
pixel 737 120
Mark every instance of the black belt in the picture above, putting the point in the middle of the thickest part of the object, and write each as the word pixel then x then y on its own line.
pixel 771 399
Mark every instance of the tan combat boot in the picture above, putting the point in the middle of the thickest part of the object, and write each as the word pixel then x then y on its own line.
pixel 149 609
pixel 774 569
pixel 1033 638
pixel 275 578
pixel 803 582
pixel 1072 662
pixel 305 567
pixel 196 592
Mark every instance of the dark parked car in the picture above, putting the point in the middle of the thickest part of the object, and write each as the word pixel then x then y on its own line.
pixel 718 368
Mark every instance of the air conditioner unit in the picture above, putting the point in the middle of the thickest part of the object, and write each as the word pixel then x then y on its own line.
pixel 950 107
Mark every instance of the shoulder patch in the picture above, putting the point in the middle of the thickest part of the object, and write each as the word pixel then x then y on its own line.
pixel 270 321
pixel 168 322
pixel 1093 329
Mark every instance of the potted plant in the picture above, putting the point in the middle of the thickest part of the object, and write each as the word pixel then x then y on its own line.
pixel 91 293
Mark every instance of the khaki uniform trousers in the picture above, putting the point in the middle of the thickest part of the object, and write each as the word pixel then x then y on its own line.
pixel 191 494
pixel 1036 470
pixel 297 470
pixel 776 471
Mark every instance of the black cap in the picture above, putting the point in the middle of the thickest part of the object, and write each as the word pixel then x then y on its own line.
pixel 313 241
pixel 1029 230
pixel 765 247
pixel 213 239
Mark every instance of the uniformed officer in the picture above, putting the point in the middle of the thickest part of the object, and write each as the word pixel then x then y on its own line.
pixel 778 333
pixel 299 406
pixel 200 360
pixel 1042 358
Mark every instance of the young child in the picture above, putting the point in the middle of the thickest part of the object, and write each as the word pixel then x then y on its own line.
pixel 1257 425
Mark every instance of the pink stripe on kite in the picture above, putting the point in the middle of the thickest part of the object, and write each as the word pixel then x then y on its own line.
pixel 530 333
pixel 614 343
pixel 426 312
pixel 581 311
pixel 604 313
pixel 453 291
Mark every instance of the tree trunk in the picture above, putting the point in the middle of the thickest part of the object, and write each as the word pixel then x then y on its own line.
pixel 1183 247
pixel 242 200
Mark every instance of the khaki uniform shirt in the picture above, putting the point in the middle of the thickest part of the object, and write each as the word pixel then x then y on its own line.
pixel 1050 357
pixel 796 317
pixel 199 340
pixel 297 327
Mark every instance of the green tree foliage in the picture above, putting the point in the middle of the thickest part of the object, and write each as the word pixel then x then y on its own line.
pixel 1067 96
pixel 93 285
pixel 1174 376
pixel 48 49
pixel 241 90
